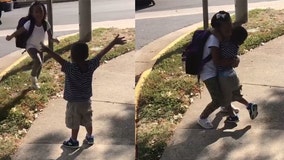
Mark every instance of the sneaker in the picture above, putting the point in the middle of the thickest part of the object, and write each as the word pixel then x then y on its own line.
pixel 232 119
pixel 205 123
pixel 252 108
pixel 35 84
pixel 89 140
pixel 71 144
pixel 225 110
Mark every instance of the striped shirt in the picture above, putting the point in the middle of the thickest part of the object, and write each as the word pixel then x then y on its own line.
pixel 229 50
pixel 78 84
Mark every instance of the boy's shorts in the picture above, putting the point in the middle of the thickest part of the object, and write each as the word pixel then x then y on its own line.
pixel 78 113
pixel 231 89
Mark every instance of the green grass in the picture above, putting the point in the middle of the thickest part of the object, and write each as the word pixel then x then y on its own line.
pixel 20 106
pixel 168 92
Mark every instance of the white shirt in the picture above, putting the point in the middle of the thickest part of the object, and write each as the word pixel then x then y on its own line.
pixel 209 70
pixel 37 36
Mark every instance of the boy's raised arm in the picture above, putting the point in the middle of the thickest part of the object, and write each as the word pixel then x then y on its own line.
pixel 117 40
pixel 58 58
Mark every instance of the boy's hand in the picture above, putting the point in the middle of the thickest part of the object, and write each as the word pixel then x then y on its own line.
pixel 119 40
pixel 9 37
pixel 236 62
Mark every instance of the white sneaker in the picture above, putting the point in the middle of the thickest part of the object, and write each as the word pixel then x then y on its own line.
pixel 35 84
pixel 205 123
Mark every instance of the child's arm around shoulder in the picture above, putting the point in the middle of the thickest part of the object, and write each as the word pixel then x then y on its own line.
pixel 58 58
pixel 117 40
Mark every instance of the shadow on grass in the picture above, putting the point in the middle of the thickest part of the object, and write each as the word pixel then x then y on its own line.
pixel 4 112
pixel 28 66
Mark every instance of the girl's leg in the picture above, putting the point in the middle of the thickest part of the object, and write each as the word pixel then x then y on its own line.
pixel 37 64
pixel 40 56
pixel 213 87
pixel 37 61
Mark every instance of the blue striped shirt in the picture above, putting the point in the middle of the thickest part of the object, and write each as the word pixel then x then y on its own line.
pixel 229 50
pixel 78 84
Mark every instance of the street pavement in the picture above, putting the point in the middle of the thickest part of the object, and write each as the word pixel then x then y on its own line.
pixel 113 120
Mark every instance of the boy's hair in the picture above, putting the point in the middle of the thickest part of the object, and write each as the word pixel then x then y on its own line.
pixel 34 4
pixel 239 35
pixel 79 52
pixel 220 18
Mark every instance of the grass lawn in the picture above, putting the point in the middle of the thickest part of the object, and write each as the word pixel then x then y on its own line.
pixel 20 106
pixel 168 92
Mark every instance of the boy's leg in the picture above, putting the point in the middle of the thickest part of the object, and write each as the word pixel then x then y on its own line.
pixel 89 130
pixel 74 134
pixel 227 91
pixel 72 121
pixel 87 113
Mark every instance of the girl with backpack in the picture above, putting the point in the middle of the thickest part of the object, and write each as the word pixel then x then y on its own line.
pixel 221 30
pixel 35 21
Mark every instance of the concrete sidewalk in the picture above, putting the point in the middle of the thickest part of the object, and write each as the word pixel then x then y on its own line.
pixel 260 72
pixel 113 120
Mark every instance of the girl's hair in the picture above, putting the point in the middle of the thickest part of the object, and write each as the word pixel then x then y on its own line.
pixel 219 18
pixel 79 52
pixel 34 4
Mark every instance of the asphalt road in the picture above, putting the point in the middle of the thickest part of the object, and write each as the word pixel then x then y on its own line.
pixel 148 30
pixel 67 14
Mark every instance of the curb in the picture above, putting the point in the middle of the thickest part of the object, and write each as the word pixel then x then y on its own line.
pixel 146 73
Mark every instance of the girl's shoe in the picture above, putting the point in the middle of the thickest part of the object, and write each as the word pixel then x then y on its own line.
pixel 35 84
pixel 205 123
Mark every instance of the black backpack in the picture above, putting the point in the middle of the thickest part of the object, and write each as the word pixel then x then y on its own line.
pixel 21 40
pixel 193 54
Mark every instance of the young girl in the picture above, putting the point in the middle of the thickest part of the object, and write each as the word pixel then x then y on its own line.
pixel 222 29
pixel 37 16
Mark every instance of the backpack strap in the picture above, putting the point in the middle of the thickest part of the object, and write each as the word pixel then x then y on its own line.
pixel 44 24
pixel 31 29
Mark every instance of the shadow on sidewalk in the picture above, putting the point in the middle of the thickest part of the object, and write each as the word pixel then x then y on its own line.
pixel 70 154
pixel 120 132
pixel 196 142
pixel 268 127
